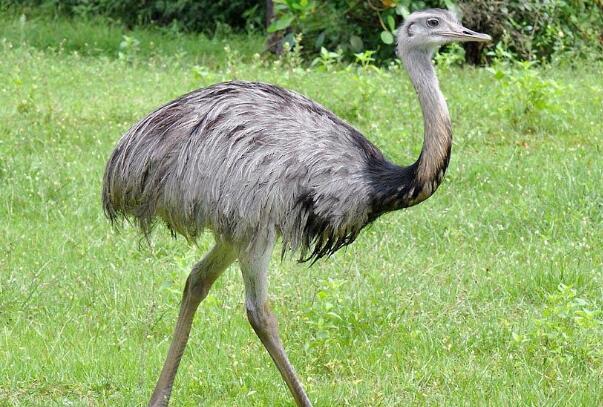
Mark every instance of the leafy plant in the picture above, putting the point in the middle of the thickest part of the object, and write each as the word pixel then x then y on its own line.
pixel 569 327
pixel 327 59
pixel 454 56
pixel 365 59
pixel 289 10
pixel 322 317
pixel 128 48
pixel 526 98
pixel 292 53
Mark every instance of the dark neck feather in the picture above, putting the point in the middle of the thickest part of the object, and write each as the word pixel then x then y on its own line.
pixel 401 187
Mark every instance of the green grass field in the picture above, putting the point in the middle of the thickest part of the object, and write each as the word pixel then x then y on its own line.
pixel 489 293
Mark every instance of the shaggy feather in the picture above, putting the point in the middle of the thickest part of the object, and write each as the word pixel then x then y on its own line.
pixel 241 158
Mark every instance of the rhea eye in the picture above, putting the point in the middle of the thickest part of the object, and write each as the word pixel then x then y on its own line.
pixel 432 22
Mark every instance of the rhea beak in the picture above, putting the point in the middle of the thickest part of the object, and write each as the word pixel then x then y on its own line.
pixel 463 34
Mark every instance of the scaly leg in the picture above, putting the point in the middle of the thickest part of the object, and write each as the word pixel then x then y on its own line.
pixel 254 266
pixel 197 286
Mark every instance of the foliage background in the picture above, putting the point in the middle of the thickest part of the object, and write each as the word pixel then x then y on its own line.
pixel 532 29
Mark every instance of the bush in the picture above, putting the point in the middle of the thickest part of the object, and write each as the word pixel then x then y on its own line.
pixel 347 26
pixel 537 29
pixel 530 30
pixel 190 15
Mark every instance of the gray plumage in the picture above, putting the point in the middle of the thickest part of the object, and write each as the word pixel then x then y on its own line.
pixel 241 158
pixel 252 161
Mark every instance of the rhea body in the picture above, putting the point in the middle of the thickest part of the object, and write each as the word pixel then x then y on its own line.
pixel 252 162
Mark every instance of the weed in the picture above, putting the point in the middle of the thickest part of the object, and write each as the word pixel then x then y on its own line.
pixel 526 98
pixel 454 55
pixel 129 47
pixel 568 330
pixel 291 56
pixel 365 59
pixel 327 59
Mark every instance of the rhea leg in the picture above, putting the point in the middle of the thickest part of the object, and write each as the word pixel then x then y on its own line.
pixel 254 266
pixel 196 288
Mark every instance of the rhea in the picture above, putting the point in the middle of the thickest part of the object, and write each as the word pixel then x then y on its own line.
pixel 253 162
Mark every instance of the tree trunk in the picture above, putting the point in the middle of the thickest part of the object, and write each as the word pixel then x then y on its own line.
pixel 274 42
pixel 269 12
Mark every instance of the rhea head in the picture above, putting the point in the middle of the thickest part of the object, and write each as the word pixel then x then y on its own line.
pixel 427 30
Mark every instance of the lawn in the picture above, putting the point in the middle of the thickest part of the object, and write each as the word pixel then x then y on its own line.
pixel 489 293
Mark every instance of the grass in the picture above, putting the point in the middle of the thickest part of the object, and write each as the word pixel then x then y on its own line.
pixel 488 293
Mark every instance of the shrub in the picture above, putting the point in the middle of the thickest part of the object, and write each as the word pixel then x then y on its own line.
pixel 191 15
pixel 537 29
pixel 347 27
pixel 530 30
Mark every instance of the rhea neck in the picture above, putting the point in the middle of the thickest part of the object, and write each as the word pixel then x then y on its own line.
pixel 437 139
pixel 400 187
pixel 407 186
